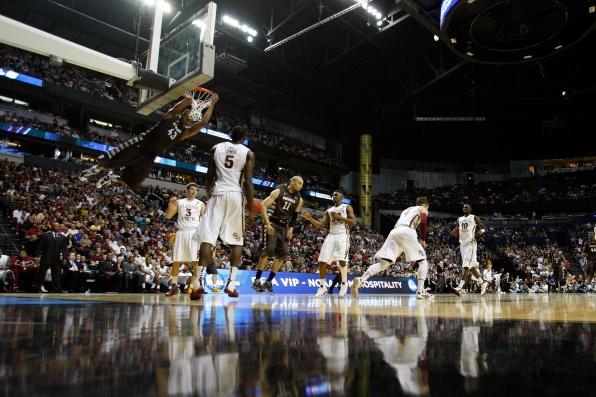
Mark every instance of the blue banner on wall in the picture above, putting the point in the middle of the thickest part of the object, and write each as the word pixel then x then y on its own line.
pixel 307 283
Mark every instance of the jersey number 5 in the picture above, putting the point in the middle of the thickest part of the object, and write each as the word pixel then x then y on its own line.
pixel 229 161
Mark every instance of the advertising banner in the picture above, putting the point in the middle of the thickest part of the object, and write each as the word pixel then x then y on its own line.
pixel 307 283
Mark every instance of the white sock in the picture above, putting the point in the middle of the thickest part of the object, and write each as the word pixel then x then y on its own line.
pixel 344 273
pixel 323 282
pixel 422 273
pixel 214 279
pixel 199 278
pixel 231 283
pixel 462 282
pixel 375 268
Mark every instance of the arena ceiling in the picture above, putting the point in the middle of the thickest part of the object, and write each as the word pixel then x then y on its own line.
pixel 347 77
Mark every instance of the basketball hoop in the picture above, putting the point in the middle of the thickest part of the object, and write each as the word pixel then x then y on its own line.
pixel 202 98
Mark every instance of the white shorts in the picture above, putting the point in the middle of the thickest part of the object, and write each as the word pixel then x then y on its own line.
pixel 336 247
pixel 224 218
pixel 186 247
pixel 469 254
pixel 402 239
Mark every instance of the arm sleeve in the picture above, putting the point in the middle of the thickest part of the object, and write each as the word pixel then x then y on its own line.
pixel 423 226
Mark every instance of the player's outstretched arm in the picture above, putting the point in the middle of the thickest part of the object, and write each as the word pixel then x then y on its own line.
pixel 265 206
pixel 322 224
pixel 172 208
pixel 249 190
pixel 178 108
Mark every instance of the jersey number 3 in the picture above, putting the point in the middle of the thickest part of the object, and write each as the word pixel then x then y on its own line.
pixel 188 212
pixel 229 161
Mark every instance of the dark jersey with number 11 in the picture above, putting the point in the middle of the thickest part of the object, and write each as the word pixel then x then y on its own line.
pixel 284 206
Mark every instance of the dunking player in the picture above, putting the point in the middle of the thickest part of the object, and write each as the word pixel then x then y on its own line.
pixel 467 226
pixel 186 245
pixel 279 212
pixel 403 238
pixel 138 154
pixel 336 246
pixel 230 170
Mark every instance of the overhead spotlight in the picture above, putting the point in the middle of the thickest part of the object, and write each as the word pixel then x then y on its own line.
pixel 436 38
pixel 558 47
pixel 162 4
pixel 563 93
pixel 379 23
pixel 379 15
pixel 249 39
pixel 470 54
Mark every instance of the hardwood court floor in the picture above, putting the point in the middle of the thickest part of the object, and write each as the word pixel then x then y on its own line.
pixel 296 345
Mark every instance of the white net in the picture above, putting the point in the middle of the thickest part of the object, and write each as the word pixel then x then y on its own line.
pixel 201 100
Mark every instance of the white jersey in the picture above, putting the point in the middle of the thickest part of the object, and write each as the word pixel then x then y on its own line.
pixel 229 159
pixel 189 214
pixel 338 227
pixel 467 228
pixel 410 217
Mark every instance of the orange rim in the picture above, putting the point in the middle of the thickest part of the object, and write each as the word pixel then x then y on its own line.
pixel 202 89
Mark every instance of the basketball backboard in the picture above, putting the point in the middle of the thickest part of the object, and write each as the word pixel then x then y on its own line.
pixel 186 56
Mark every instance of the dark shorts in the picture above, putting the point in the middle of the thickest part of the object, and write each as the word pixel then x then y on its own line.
pixel 590 268
pixel 276 244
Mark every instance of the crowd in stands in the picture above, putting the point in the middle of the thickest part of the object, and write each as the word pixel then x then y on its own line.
pixel 98 84
pixel 121 241
pixel 104 86
pixel 114 225
pixel 548 188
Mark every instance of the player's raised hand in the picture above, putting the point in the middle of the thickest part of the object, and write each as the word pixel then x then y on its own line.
pixel 173 200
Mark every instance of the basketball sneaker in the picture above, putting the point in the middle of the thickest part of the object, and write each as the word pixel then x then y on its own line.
pixel 423 295
pixel 107 180
pixel 197 294
pixel 88 173
pixel 173 291
pixel 457 291
pixel 215 289
pixel 355 287
pixel 267 287
pixel 342 290
pixel 322 291
pixel 231 294
pixel 257 286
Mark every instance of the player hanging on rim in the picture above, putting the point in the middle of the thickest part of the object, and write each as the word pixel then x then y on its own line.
pixel 403 239
pixel 469 229
pixel 186 245
pixel 230 172
pixel 336 246
pixel 279 212
pixel 136 155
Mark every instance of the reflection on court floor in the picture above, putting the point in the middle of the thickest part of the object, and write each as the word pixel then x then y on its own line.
pixel 297 345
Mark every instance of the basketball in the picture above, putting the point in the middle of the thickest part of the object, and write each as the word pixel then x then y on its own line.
pixel 256 205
